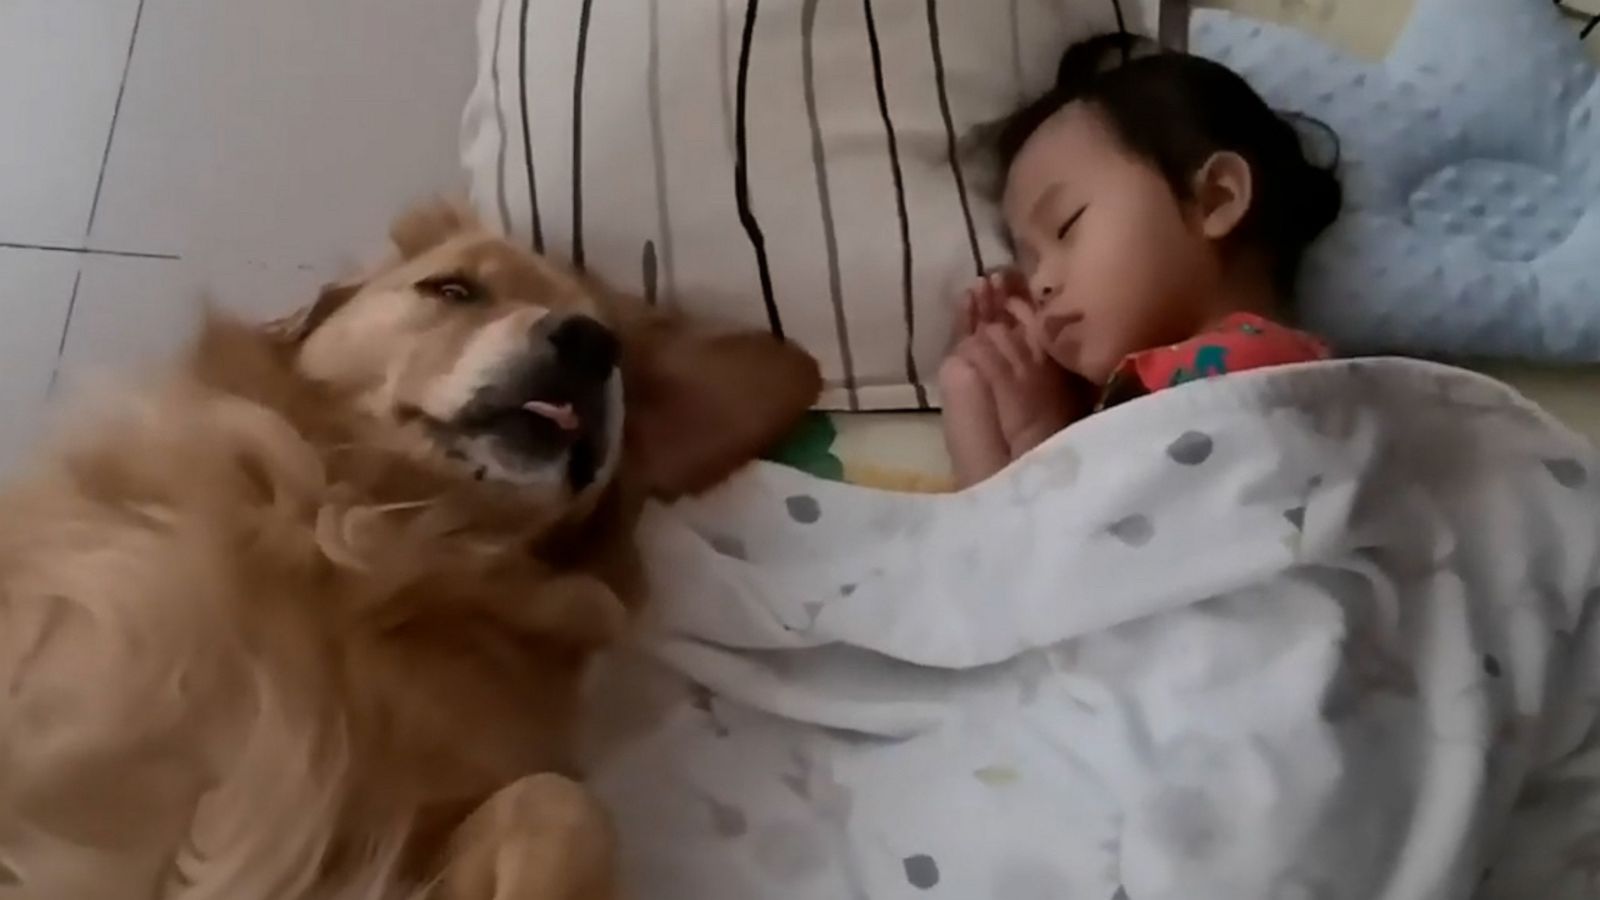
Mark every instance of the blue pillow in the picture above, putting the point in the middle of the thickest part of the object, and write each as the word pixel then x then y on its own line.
pixel 1471 163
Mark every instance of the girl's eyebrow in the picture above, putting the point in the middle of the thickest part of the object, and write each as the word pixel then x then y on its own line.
pixel 1046 201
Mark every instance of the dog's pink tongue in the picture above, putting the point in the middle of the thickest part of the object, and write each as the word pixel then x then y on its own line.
pixel 559 413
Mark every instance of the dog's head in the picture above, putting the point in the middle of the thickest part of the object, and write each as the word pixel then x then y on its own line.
pixel 502 366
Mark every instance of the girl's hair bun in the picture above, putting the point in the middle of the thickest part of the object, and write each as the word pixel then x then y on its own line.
pixel 1087 60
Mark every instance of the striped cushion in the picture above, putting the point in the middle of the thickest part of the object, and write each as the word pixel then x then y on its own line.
pixel 780 163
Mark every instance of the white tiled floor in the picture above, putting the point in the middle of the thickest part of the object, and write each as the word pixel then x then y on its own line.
pixel 278 130
pixel 245 150
pixel 61 64
pixel 35 287
pixel 132 310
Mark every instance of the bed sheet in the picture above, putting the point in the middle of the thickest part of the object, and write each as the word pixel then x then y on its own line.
pixel 1327 631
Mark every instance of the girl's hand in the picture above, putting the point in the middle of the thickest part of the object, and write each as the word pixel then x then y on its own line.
pixel 989 300
pixel 1034 397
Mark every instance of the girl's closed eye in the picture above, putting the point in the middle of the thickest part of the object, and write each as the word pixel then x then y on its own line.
pixel 1071 221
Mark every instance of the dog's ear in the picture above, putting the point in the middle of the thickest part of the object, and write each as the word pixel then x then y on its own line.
pixel 700 403
pixel 430 224
pixel 293 329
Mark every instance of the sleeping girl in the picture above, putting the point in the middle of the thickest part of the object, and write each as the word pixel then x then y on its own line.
pixel 1158 210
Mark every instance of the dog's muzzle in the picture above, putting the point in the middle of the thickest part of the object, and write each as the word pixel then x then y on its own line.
pixel 554 401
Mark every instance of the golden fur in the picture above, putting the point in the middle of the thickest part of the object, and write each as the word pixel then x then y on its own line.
pixel 265 635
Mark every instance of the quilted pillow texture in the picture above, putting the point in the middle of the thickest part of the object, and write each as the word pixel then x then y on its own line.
pixel 785 164
pixel 1471 161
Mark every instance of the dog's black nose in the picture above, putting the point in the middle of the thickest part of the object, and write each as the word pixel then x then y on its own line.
pixel 585 348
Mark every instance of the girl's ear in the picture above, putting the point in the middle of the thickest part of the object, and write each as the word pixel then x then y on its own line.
pixel 1223 191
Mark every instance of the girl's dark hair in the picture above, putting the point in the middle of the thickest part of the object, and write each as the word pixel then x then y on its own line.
pixel 1176 110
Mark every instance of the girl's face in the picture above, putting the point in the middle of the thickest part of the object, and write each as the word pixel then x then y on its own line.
pixel 1115 263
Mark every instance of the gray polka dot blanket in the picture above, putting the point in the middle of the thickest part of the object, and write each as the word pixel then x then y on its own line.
pixel 1324 631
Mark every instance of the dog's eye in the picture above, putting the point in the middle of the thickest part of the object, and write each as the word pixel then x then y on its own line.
pixel 451 288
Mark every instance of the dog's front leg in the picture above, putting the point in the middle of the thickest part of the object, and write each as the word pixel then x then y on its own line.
pixel 543 837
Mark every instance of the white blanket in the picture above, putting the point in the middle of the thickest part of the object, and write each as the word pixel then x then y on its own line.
pixel 1318 632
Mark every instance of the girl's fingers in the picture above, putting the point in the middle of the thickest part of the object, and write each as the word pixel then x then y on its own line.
pixel 997 298
pixel 1013 284
pixel 1008 344
pixel 1022 347
pixel 1032 327
pixel 967 314
pixel 988 308
pixel 972 305
pixel 986 358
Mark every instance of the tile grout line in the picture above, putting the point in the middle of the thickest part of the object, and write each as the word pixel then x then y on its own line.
pixel 99 185
pixel 87 251
pixel 61 344
pixel 116 112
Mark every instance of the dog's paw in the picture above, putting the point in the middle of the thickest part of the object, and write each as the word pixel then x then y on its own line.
pixel 575 609
pixel 543 837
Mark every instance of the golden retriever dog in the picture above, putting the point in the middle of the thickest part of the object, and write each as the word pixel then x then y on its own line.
pixel 308 617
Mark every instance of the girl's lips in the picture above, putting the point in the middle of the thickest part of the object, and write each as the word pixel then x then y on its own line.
pixel 1055 323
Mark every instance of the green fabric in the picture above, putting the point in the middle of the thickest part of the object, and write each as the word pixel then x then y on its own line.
pixel 809 448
